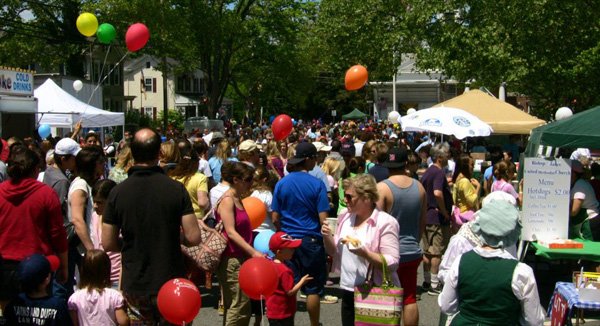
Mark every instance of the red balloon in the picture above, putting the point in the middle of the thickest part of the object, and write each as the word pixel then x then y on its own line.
pixel 258 276
pixel 54 262
pixel 282 126
pixel 179 301
pixel 137 36
pixel 256 210
pixel 356 77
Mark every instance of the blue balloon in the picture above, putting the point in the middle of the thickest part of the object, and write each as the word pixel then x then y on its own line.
pixel 294 122
pixel 261 242
pixel 44 131
pixel 271 118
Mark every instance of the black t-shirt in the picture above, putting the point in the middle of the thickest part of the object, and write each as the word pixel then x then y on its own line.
pixel 147 207
pixel 46 311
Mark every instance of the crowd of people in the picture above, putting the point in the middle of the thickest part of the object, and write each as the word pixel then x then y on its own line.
pixel 116 215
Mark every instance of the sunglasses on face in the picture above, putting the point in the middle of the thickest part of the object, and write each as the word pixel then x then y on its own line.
pixel 348 197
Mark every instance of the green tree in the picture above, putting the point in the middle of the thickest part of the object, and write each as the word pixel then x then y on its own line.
pixel 46 37
pixel 545 49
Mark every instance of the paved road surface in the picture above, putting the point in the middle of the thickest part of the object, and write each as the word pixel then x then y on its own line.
pixel 330 313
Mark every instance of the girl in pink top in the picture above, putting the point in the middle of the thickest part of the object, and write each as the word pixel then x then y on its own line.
pixel 95 303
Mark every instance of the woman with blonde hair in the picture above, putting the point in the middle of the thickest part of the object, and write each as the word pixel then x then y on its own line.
pixel 364 236
pixel 187 173
pixel 332 169
pixel 169 155
pixel 275 159
pixel 222 155
pixel 124 162
pixel 369 154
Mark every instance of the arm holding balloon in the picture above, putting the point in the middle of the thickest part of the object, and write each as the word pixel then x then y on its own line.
pixel 226 211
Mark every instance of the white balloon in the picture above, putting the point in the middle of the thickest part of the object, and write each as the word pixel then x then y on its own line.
pixel 393 116
pixel 410 111
pixel 563 113
pixel 77 85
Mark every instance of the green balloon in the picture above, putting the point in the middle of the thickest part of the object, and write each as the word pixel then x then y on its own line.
pixel 106 33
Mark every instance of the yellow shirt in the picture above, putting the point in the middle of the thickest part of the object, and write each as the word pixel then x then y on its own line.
pixel 464 195
pixel 198 182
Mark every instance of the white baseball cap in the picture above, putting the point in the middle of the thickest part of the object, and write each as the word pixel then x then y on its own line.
pixel 67 146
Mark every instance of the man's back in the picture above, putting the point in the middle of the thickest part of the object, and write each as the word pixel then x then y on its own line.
pixel 148 208
pixel 299 197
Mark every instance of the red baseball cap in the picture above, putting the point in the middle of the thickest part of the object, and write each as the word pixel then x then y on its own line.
pixel 281 240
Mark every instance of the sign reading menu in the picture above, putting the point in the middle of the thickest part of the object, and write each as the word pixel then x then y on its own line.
pixel 546 196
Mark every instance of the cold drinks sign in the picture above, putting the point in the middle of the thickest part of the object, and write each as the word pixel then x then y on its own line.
pixel 16 82
pixel 546 196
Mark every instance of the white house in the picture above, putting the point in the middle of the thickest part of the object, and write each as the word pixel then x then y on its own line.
pixel 143 80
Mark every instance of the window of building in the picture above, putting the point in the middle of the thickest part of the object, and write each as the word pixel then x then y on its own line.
pixel 148 65
pixel 196 86
pixel 148 84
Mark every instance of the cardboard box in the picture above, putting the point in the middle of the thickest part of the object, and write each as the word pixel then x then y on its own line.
pixel 561 244
pixel 589 295
pixel 589 278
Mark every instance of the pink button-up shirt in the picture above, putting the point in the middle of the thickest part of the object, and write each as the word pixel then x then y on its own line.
pixel 383 231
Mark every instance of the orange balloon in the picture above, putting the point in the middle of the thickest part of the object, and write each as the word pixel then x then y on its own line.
pixel 356 77
pixel 256 210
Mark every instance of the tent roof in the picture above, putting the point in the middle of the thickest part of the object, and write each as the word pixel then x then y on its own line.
pixel 355 114
pixel 578 130
pixel 501 116
pixel 58 108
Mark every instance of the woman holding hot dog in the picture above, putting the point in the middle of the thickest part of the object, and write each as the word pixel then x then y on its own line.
pixel 363 235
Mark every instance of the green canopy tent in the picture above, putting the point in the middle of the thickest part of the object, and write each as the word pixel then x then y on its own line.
pixel 578 130
pixel 354 115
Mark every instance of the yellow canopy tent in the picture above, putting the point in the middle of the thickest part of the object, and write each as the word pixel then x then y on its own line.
pixel 501 116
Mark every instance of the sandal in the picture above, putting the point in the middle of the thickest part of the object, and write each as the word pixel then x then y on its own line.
pixel 329 299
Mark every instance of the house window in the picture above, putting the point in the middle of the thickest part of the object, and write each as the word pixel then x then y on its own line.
pixel 196 88
pixel 148 65
pixel 148 111
pixel 148 84
pixel 180 84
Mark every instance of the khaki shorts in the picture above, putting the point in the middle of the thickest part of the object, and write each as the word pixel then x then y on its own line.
pixel 435 239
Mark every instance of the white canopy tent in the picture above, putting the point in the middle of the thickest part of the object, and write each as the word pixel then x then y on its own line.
pixel 58 108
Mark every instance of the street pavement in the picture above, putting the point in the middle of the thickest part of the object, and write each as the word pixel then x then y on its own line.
pixel 330 313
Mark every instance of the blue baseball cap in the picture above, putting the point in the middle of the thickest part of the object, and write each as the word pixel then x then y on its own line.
pixel 33 270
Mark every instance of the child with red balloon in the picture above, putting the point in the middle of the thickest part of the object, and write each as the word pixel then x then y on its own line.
pixel 281 305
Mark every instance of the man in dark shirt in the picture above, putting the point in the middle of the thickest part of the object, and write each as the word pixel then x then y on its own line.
pixel 437 228
pixel 148 209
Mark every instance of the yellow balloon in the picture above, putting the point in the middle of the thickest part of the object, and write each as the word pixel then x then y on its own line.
pixel 87 24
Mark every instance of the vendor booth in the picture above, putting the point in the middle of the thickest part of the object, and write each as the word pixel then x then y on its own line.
pixel 356 114
pixel 501 116
pixel 58 108
pixel 578 130
pixel 17 104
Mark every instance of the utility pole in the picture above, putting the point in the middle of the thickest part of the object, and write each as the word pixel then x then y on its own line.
pixel 165 76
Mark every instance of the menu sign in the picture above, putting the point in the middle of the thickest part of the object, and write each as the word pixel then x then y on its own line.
pixel 546 196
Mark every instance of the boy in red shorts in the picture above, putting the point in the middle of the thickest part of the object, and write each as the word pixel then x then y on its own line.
pixel 281 305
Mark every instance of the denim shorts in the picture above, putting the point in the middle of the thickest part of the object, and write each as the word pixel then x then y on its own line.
pixel 310 258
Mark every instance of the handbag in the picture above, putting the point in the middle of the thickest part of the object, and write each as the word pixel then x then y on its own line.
pixel 378 305
pixel 207 255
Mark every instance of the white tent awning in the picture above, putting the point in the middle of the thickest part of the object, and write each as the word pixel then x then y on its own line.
pixel 181 100
pixel 58 108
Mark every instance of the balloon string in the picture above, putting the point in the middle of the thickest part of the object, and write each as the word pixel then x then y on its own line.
pixel 103 64
pixel 262 311
pixel 103 79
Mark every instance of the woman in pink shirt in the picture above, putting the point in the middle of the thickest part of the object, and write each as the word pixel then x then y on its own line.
pixel 363 235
